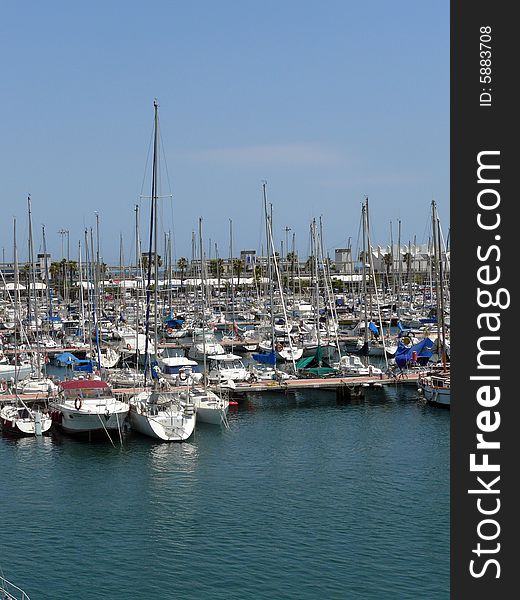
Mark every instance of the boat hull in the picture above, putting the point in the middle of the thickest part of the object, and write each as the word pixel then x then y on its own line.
pixel 169 425
pixel 87 419
pixel 437 396
pixel 14 424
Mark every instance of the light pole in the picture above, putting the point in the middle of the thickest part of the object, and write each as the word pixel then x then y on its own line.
pixel 62 233
pixel 287 229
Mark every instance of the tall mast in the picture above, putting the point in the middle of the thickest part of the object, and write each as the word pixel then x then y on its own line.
pixel 154 199
pixel 17 320
pixel 364 283
pixel 232 283
pixel 33 282
pixel 269 271
pixel 441 304
pixel 47 282
pixel 436 270
pixel 153 220
pixel 399 271
pixel 202 284
pixel 81 299
pixel 138 278
pixel 375 288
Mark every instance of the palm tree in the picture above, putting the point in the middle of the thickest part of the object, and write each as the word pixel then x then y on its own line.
pixel 258 273
pixel 182 265
pixel 407 259
pixel 309 264
pixel 237 266
pixel 292 258
pixel 220 269
pixel 388 262
pixel 24 273
pixel 56 274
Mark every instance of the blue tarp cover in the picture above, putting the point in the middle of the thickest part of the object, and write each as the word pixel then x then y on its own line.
pixel 267 359
pixel 87 366
pixel 174 323
pixel 66 358
pixel 424 350
pixel 373 328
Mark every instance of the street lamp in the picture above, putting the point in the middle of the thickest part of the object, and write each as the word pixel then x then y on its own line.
pixel 63 232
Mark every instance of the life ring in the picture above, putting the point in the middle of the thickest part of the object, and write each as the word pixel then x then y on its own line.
pixel 129 346
pixel 169 330
pixel 183 376
pixel 279 347
pixel 78 403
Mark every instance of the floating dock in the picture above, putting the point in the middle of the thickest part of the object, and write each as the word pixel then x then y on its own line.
pixel 344 386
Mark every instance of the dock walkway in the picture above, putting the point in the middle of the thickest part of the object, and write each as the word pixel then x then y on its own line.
pixel 345 385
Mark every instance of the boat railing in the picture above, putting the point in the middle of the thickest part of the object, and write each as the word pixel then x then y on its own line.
pixel 10 591
pixel 440 382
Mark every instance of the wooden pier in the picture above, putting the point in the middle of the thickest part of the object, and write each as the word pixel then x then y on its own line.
pixel 343 386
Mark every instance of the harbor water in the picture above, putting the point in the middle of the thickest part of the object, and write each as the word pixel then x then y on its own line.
pixel 303 497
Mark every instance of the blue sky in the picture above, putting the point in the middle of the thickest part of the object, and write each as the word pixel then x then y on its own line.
pixel 327 101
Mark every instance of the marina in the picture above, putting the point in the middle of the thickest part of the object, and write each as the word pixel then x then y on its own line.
pixel 225 302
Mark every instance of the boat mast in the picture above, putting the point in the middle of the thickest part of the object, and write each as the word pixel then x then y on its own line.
pixel 441 299
pixel 33 282
pixel 202 284
pixel 269 271
pixel 232 286
pixel 138 278
pixel 316 287
pixel 153 220
pixel 436 269
pixel 375 288
pixel 47 282
pixel 399 258
pixel 17 319
pixel 364 287
pixel 81 299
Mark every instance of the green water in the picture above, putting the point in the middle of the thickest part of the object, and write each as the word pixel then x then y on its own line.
pixel 302 497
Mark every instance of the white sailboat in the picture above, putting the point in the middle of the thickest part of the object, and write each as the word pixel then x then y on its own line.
pixel 161 415
pixel 211 408
pixel 203 344
pixel 20 419
pixel 165 416
pixel 435 384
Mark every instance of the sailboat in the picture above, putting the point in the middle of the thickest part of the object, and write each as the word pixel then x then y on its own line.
pixel 435 384
pixel 211 408
pixel 88 406
pixel 162 415
pixel 18 418
pixel 284 348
